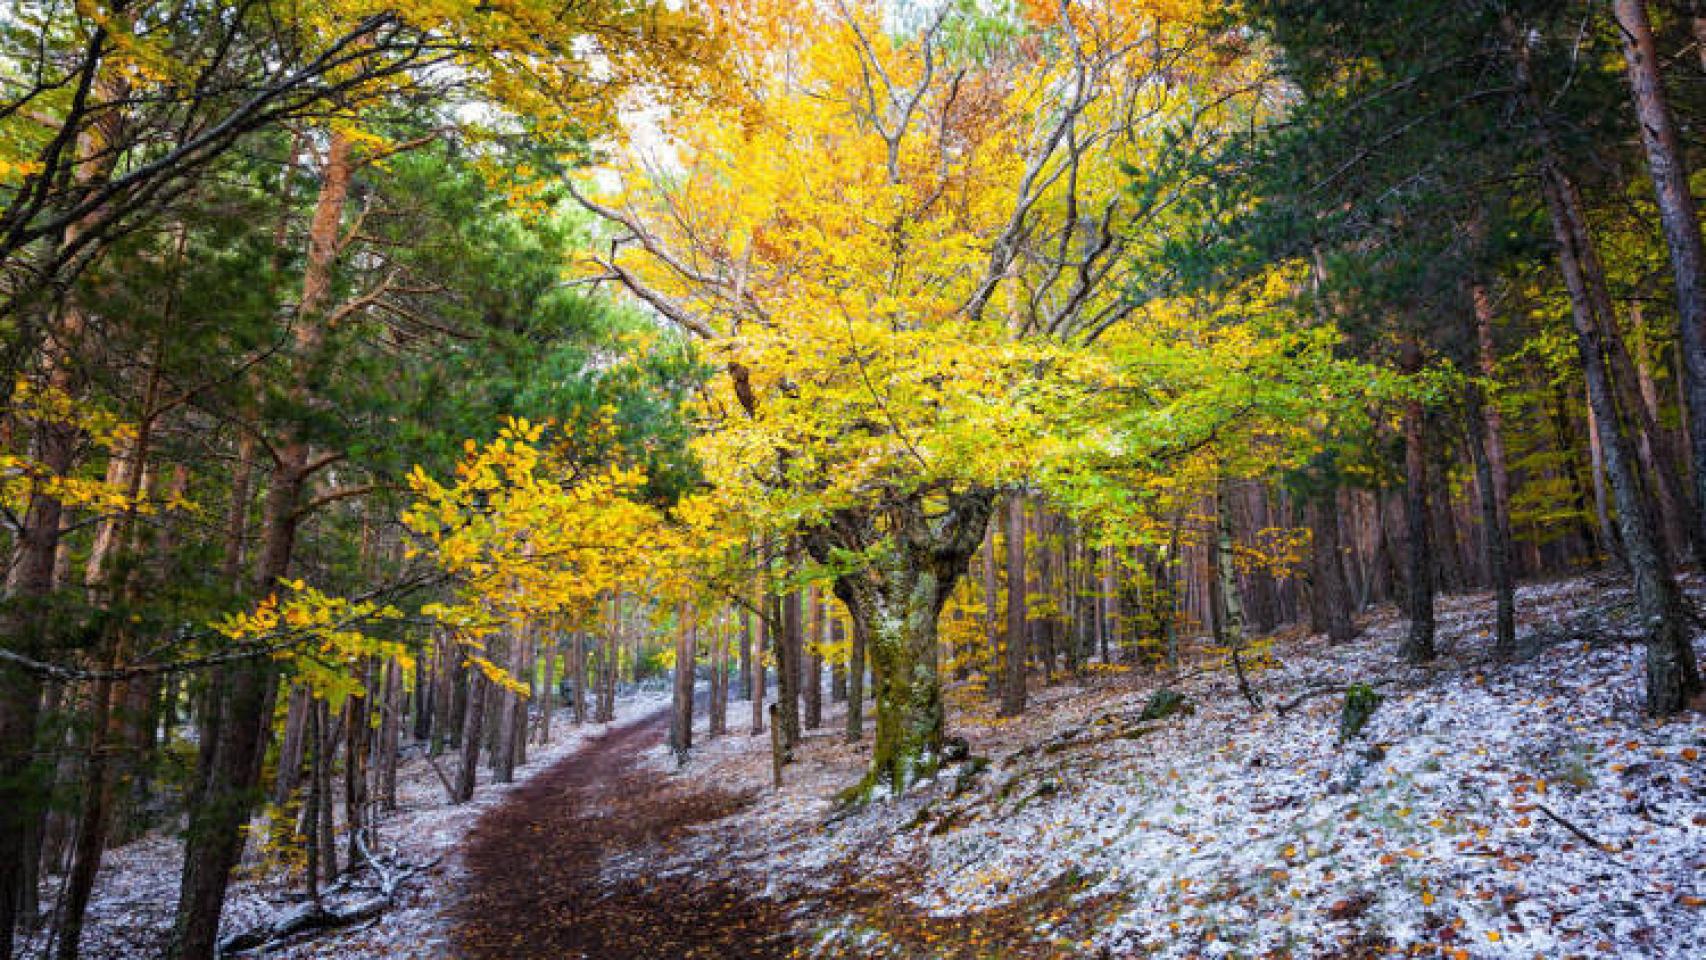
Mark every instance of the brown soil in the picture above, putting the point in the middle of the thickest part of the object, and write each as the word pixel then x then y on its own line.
pixel 536 885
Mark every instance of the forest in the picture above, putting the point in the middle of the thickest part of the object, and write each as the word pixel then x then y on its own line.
pixel 622 479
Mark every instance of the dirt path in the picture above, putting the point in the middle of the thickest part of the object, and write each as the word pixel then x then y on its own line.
pixel 536 884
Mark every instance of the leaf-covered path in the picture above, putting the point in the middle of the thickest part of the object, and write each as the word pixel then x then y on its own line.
pixel 537 884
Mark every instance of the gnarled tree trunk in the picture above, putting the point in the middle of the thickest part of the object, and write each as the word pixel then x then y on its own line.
pixel 916 558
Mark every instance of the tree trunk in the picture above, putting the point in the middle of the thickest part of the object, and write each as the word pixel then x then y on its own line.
pixel 290 751
pixel 1044 628
pixel 1679 219
pixel 1228 606
pixel 1330 593
pixel 992 622
pixel 856 660
pixel 760 641
pixel 473 718
pixel 1013 685
pixel 745 653
pixel 718 723
pixel 246 687
pixel 788 659
pixel 813 663
pixel 837 668
pixel 1418 644
pixel 1495 525
pixel 390 733
pixel 681 713
pixel 1672 675
pixel 896 600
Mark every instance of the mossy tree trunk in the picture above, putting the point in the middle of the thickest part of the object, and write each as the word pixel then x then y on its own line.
pixel 912 553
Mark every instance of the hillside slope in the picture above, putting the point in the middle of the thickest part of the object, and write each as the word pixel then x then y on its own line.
pixel 1488 809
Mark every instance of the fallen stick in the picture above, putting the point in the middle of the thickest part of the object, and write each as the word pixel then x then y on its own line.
pixel 1578 831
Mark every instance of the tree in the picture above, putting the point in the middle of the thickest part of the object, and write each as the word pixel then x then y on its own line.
pixel 904 239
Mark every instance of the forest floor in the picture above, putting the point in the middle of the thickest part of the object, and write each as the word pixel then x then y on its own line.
pixel 131 913
pixel 1490 809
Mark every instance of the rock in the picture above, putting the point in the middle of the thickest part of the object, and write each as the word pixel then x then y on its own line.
pixel 955 749
pixel 1164 703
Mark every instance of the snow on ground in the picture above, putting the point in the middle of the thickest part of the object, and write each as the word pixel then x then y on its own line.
pixel 1488 810
pixel 134 898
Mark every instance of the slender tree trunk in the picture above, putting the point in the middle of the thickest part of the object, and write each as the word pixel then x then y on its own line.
pixel 390 733
pixel 1496 528
pixel 1045 634
pixel 761 641
pixel 788 646
pixel 1672 674
pixel 326 834
pixel 856 659
pixel 837 668
pixel 291 750
pixel 745 653
pixel 1013 685
pixel 473 718
pixel 311 804
pixel 681 713
pixel 813 663
pixel 1418 645
pixel 1228 606
pixel 992 621
pixel 719 718
pixel 1679 220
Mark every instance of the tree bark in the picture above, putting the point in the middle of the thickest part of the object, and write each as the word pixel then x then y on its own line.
pixel 1418 644
pixel 812 690
pixel 896 599
pixel 1679 220
pixel 1330 593
pixel 681 712
pixel 1228 605
pixel 856 661
pixel 1013 683
pixel 215 840
pixel 1496 527
pixel 788 646
pixel 473 718
pixel 1672 674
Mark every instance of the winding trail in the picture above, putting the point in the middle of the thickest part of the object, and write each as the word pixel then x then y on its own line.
pixel 537 886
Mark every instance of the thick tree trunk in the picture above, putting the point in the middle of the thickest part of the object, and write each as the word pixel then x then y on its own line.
pixel 246 688
pixel 1013 674
pixel 1679 219
pixel 896 600
pixel 1330 593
